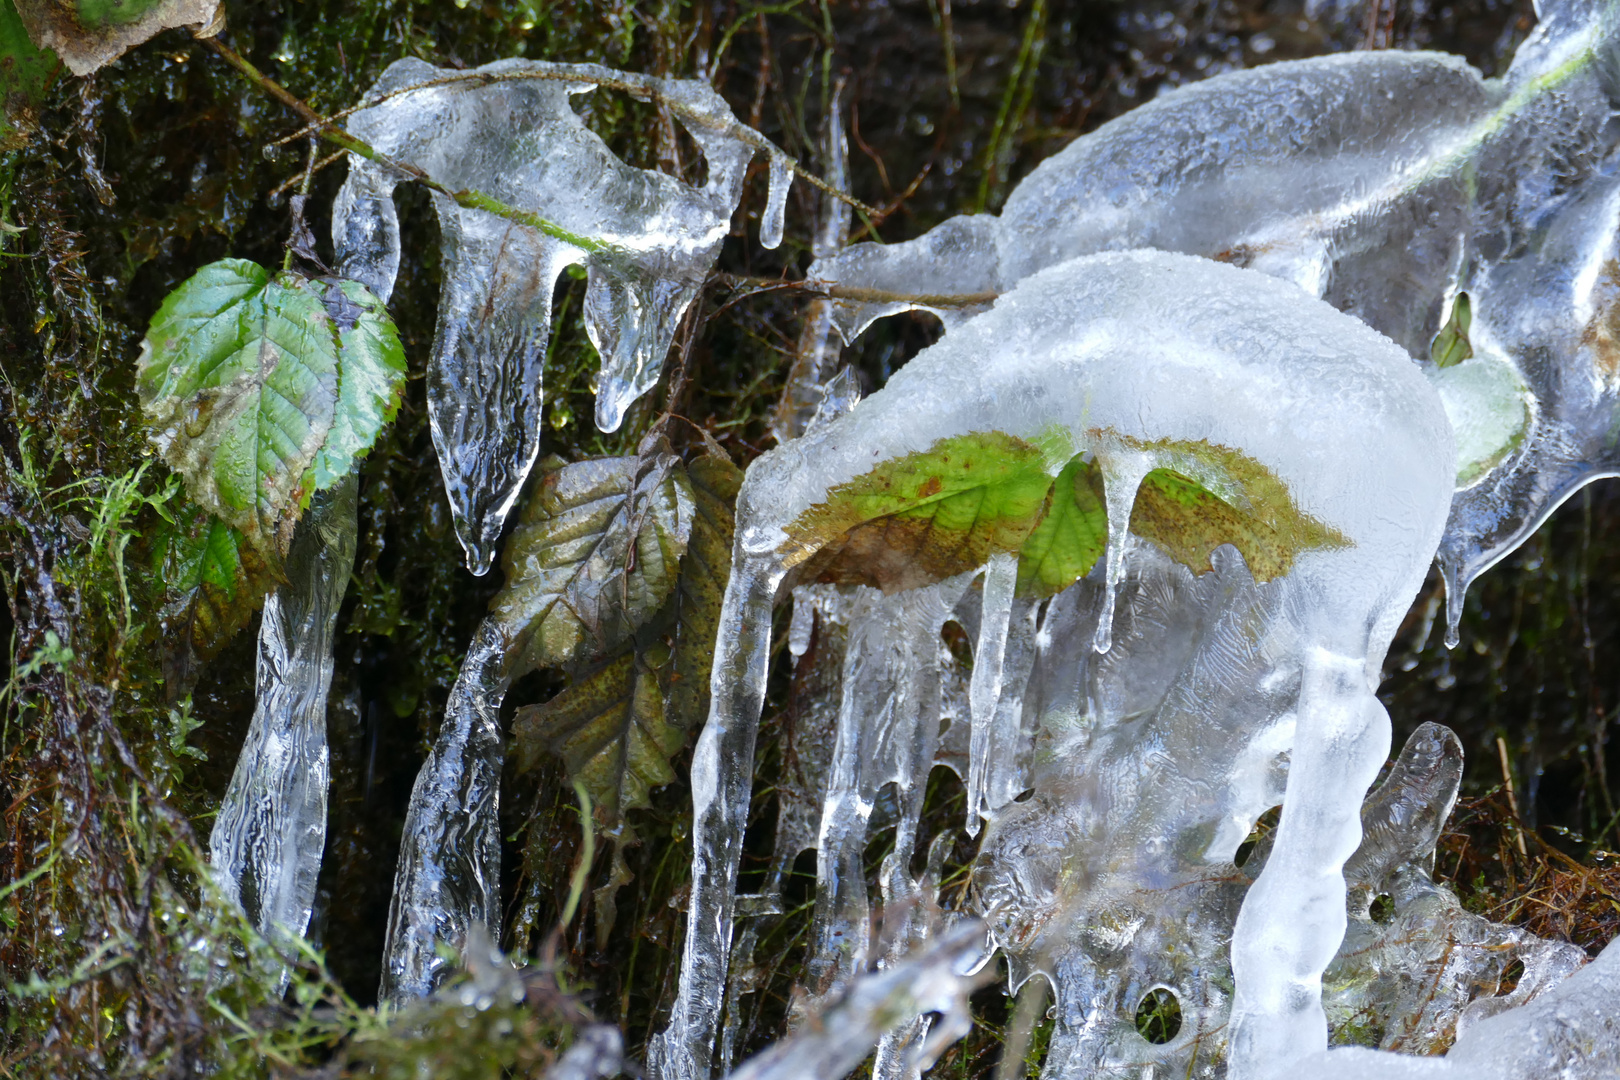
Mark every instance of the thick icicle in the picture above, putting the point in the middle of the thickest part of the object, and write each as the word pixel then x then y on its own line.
pixel 507 130
pixel 935 980
pixel 449 876
pixel 267 842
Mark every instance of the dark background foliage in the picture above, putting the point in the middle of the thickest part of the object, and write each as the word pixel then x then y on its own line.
pixel 167 160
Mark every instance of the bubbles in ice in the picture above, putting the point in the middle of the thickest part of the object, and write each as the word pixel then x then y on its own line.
pixel 647 240
pixel 270 833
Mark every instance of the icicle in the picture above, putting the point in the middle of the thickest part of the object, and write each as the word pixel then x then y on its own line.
pixel 448 879
pixel 722 776
pixel 775 215
pixel 1000 576
pixel 841 1037
pixel 647 240
pixel 819 345
pixel 267 841
pixel 1122 476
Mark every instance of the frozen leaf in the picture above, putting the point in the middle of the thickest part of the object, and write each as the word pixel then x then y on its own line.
pixel 26 72
pixel 370 380
pixel 215 582
pixel 1451 345
pixel 595 556
pixel 264 389
pixel 704 572
pixel 609 729
pixel 928 515
pixel 1070 538
pixel 1239 502
pixel 93 33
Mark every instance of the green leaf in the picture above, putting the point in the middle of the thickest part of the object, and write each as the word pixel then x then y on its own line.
pixel 595 555
pixel 1236 501
pixel 1071 537
pixel 370 381
pixel 1451 345
pixel 705 569
pixel 26 72
pixel 609 729
pixel 92 33
pixel 239 377
pixel 214 580
pixel 927 515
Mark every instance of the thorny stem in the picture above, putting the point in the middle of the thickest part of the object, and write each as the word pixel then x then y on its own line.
pixel 641 88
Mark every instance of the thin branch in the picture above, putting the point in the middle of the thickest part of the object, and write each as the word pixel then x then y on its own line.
pixel 835 291
pixel 646 87
pixel 325 129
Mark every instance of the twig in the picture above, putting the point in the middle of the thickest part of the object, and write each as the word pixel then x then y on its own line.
pixel 864 296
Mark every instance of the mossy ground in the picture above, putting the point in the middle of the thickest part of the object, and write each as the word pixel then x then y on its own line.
pixel 159 164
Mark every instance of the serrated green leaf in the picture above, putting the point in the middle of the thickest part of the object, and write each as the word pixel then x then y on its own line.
pixel 595 555
pixel 371 378
pixel 26 72
pixel 927 515
pixel 609 729
pixel 214 583
pixel 1235 500
pixel 239 378
pixel 705 569
pixel 1072 536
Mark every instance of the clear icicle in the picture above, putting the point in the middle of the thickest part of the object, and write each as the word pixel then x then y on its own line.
pixel 1000 577
pixel 774 218
pixel 448 879
pixel 646 239
pixel 1122 476
pixel 819 346
pixel 936 981
pixel 268 839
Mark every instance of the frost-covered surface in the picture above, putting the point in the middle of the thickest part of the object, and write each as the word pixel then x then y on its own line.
pixel 1335 412
pixel 647 241
pixel 268 838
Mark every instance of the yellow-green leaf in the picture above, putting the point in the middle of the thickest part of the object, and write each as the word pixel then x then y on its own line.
pixel 1072 536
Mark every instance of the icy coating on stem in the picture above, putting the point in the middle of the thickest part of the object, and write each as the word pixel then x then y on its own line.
pixel 1330 410
pixel 266 845
pixel 449 875
pixel 1386 183
pixel 507 131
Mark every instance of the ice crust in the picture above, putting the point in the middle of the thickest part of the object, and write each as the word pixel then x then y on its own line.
pixel 1334 410
pixel 266 845
pixel 647 241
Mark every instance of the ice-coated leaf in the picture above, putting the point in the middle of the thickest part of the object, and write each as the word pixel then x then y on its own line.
pixel 26 71
pixel 215 581
pixel 1238 501
pixel 93 33
pixel 239 378
pixel 609 728
pixel 595 556
pixel 704 571
pixel 928 515
pixel 1071 537
pixel 370 380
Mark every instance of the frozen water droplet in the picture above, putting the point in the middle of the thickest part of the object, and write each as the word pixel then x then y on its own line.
pixel 771 222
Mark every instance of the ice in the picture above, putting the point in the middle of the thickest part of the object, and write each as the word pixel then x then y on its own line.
pixel 647 241
pixel 1570 1032
pixel 935 980
pixel 267 841
pixel 1333 411
pixel 816 356
pixel 448 879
